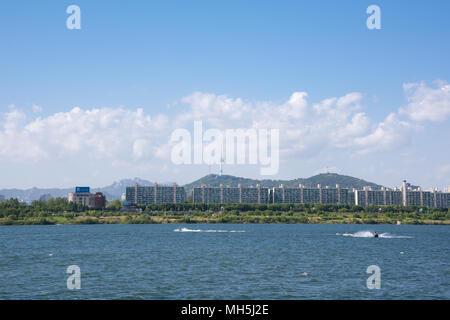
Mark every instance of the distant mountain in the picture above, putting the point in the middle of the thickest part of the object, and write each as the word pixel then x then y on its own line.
pixel 324 179
pixel 34 193
pixel 115 190
pixel 45 197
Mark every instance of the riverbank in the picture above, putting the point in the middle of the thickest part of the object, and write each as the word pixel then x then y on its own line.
pixel 220 218
pixel 60 211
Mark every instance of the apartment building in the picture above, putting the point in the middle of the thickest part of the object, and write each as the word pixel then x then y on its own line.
pixel 155 194
pixel 231 194
pixel 84 196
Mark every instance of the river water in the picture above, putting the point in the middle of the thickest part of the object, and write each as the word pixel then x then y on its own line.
pixel 224 261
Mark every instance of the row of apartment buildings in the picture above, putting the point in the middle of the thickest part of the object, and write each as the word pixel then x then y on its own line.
pixel 262 195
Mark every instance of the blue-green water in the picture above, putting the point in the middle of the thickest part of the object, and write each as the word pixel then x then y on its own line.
pixel 258 262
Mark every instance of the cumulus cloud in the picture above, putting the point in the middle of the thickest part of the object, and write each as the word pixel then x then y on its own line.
pixel 97 133
pixel 36 108
pixel 390 133
pixel 217 110
pixel 427 103
pixel 15 141
pixel 306 129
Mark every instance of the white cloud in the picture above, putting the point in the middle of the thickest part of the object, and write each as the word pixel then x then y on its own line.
pixel 296 107
pixel 97 133
pixel 140 148
pixel 36 108
pixel 15 142
pixel 218 110
pixel 305 130
pixel 390 133
pixel 123 135
pixel 426 103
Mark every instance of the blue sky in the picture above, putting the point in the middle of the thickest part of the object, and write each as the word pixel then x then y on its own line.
pixel 152 54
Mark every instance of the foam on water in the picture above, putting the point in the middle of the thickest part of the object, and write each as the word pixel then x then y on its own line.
pixel 200 230
pixel 370 234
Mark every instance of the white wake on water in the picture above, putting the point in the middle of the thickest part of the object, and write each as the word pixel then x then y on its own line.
pixel 370 234
pixel 200 230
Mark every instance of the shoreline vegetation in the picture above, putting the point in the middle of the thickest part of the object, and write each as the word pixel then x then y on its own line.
pixel 59 211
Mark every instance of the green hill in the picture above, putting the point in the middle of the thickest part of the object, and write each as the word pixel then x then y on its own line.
pixel 325 179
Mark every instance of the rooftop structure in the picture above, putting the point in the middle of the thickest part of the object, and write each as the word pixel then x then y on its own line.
pixel 83 196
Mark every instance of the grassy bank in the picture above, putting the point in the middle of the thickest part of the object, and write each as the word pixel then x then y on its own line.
pixel 59 211
pixel 336 218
